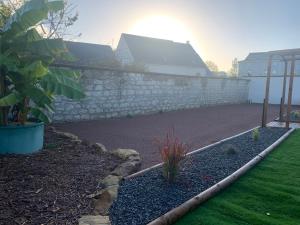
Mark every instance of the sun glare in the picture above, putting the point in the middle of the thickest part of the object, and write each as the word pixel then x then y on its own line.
pixel 163 27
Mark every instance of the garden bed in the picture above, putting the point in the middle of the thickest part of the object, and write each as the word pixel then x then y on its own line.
pixel 145 197
pixel 51 186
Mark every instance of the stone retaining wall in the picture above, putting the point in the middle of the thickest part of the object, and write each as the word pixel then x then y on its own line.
pixel 117 93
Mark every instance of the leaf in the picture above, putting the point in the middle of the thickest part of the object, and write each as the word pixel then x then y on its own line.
pixel 65 72
pixel 62 84
pixel 30 36
pixel 40 98
pixel 9 62
pixel 35 70
pixel 29 14
pixel 10 99
pixel 55 48
pixel 40 115
pixel 55 6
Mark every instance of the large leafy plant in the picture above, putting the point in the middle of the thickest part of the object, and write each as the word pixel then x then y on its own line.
pixel 28 82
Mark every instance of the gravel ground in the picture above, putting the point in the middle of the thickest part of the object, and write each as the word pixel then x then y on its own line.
pixel 146 197
pixel 198 127
pixel 50 186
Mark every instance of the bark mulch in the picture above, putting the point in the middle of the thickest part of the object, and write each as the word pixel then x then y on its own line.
pixel 50 187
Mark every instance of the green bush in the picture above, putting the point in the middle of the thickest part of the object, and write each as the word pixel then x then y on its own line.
pixel 296 114
pixel 255 134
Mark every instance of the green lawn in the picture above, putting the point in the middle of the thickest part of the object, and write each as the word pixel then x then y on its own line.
pixel 269 194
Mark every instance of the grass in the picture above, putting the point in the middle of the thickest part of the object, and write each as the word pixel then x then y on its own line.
pixel 269 194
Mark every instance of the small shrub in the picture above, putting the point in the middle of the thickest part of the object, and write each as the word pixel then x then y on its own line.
pixel 172 153
pixel 230 149
pixel 255 134
pixel 296 114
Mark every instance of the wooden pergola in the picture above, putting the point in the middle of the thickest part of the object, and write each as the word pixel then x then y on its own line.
pixel 290 55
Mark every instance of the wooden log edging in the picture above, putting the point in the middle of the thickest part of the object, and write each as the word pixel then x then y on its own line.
pixel 190 153
pixel 176 213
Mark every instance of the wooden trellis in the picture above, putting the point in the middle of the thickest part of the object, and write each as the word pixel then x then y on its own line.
pixel 286 56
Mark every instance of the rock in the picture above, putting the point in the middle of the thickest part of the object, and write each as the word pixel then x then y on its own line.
pixel 104 200
pixel 67 135
pixel 100 146
pixel 94 220
pixel 134 158
pixel 125 153
pixel 110 180
pixel 127 168
pixel 51 128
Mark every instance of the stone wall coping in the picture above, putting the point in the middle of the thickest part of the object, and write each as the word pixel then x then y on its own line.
pixel 102 68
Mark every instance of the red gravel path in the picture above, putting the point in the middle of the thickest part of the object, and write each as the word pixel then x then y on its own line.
pixel 197 127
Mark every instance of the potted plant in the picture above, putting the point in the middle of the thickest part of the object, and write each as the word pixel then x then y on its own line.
pixel 28 82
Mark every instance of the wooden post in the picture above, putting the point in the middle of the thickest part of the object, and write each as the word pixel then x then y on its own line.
pixel 288 113
pixel 283 91
pixel 266 102
pixel 263 114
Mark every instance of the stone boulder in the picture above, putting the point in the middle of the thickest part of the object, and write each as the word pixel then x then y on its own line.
pixel 110 180
pixel 94 220
pixel 127 168
pixel 67 135
pixel 100 147
pixel 104 199
pixel 125 154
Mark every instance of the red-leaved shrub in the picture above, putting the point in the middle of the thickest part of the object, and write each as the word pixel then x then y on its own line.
pixel 172 151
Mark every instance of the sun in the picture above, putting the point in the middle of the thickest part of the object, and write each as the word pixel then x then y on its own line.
pixel 163 27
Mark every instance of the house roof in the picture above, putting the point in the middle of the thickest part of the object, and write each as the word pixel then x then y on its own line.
pixel 90 54
pixel 277 55
pixel 257 56
pixel 164 52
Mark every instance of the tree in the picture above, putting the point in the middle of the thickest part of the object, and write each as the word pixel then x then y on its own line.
pixel 28 83
pixel 55 25
pixel 234 68
pixel 212 66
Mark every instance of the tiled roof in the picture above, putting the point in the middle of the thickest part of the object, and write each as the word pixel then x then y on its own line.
pixel 90 54
pixel 164 52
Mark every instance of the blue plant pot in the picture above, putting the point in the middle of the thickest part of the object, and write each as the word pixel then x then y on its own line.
pixel 21 139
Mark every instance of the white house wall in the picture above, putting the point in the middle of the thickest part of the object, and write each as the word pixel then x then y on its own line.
pixel 258 86
pixel 256 71
pixel 171 69
pixel 123 53
pixel 259 67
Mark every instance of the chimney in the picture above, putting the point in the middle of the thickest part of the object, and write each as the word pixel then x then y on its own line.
pixel 187 42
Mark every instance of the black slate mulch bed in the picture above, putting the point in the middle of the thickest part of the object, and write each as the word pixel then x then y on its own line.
pixel 146 197
pixel 50 187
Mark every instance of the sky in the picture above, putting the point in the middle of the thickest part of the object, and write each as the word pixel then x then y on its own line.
pixel 219 30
